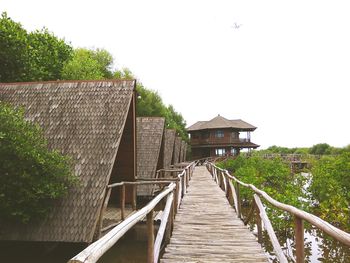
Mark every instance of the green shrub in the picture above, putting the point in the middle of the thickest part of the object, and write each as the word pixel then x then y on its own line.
pixel 31 176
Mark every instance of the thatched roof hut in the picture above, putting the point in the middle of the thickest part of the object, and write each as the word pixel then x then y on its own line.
pixel 94 123
pixel 169 142
pixel 177 150
pixel 150 148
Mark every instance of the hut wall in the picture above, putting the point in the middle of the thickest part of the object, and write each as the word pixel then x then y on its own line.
pixel 124 168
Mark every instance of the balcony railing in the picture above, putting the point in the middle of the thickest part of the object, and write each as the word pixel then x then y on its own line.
pixel 222 140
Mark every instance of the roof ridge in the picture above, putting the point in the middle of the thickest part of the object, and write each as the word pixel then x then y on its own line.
pixel 66 81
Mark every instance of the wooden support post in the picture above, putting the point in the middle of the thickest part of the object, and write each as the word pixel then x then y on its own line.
pixel 169 225
pixel 176 200
pixel 299 239
pixel 122 202
pixel 150 235
pixel 187 178
pixel 230 193
pixel 184 188
pixel 134 205
pixel 239 214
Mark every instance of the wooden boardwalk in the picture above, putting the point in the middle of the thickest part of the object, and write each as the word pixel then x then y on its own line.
pixel 206 228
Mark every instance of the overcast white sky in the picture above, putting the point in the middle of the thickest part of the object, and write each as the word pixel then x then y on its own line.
pixel 282 66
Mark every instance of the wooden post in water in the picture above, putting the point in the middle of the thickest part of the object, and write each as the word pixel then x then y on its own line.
pixel 299 239
pixel 150 235
pixel 122 202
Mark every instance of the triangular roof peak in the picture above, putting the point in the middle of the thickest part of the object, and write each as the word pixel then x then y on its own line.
pixel 221 122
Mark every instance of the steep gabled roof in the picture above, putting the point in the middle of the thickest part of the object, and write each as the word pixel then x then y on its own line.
pixel 84 120
pixel 169 141
pixel 177 150
pixel 221 122
pixel 149 141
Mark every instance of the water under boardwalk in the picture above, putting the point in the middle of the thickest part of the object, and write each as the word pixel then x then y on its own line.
pixel 207 229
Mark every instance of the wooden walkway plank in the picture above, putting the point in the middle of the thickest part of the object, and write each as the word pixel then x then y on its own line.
pixel 207 229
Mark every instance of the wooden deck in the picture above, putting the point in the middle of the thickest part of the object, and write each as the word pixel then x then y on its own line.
pixel 206 228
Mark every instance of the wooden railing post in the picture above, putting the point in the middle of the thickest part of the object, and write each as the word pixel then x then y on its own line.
pixel 230 193
pixel 239 214
pixel 176 199
pixel 150 235
pixel 183 181
pixel 134 205
pixel 122 202
pixel 258 224
pixel 187 177
pixel 299 239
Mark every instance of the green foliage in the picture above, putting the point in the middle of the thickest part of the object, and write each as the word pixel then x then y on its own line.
pixel 321 149
pixel 14 55
pixel 31 176
pixel 88 64
pixel 149 103
pixel 273 176
pixel 48 54
pixel 330 189
pixel 24 56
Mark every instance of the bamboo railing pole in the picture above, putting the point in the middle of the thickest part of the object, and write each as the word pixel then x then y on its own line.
pixel 122 202
pixel 299 239
pixel 150 235
pixel 164 226
pixel 267 224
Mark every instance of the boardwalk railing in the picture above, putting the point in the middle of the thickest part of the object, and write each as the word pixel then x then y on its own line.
pixel 173 194
pixel 231 186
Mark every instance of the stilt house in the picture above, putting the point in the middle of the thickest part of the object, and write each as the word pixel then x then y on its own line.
pixel 220 137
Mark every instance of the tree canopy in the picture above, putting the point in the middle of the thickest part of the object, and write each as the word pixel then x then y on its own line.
pixel 40 55
pixel 33 56
pixel 88 64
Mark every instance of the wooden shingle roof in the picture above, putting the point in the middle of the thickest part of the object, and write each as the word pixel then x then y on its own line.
pixel 149 132
pixel 177 150
pixel 221 122
pixel 169 140
pixel 84 120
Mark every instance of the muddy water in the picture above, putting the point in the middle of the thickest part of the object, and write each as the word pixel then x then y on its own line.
pixel 132 248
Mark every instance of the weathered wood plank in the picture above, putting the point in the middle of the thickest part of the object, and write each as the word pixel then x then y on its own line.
pixel 206 228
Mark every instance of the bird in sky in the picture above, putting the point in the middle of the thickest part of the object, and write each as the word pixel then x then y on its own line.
pixel 236 26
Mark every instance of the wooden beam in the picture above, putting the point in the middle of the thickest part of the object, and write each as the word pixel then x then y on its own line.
pixel 162 227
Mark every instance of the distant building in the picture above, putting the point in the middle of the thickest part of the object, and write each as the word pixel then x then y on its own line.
pixel 220 137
